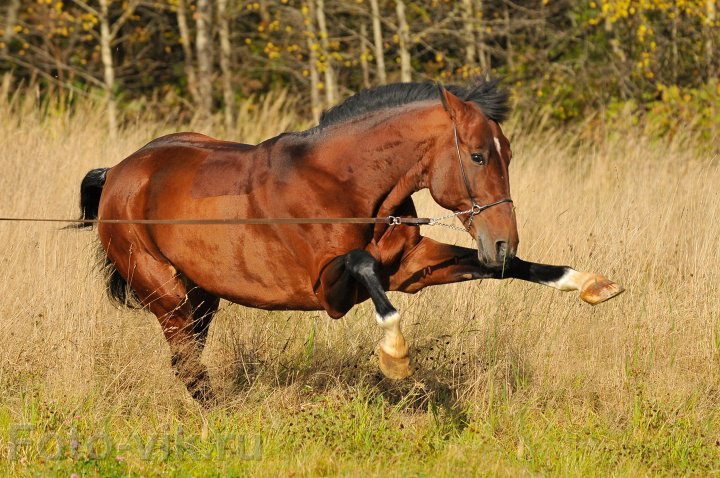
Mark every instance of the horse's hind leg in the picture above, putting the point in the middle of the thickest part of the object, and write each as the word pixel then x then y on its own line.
pixel 186 335
pixel 184 312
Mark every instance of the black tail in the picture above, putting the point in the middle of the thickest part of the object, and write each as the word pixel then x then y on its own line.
pixel 90 192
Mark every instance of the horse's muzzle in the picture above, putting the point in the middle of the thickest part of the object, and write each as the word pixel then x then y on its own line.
pixel 497 255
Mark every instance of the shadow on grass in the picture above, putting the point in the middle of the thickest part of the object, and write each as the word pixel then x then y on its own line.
pixel 446 373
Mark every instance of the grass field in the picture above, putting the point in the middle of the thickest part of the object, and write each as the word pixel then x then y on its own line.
pixel 512 378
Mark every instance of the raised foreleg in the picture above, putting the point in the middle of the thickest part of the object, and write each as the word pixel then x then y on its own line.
pixel 338 290
pixel 434 263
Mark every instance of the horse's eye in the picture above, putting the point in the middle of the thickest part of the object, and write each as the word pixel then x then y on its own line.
pixel 478 158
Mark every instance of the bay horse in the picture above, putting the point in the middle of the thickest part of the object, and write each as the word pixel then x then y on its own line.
pixel 364 160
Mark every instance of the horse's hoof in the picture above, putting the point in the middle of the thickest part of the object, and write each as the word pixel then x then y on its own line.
pixel 206 398
pixel 600 289
pixel 203 393
pixel 395 368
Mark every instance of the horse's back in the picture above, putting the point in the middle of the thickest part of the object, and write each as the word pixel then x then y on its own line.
pixel 195 141
pixel 204 165
pixel 192 176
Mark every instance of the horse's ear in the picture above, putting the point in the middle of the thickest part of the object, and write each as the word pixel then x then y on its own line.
pixel 442 90
pixel 452 104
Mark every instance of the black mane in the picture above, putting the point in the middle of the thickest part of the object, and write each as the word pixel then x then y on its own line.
pixel 492 99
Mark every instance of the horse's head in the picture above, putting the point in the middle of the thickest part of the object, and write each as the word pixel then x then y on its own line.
pixel 470 173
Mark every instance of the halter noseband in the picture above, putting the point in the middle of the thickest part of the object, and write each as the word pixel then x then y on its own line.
pixel 475 208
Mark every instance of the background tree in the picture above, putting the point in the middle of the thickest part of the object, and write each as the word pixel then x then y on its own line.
pixel 564 59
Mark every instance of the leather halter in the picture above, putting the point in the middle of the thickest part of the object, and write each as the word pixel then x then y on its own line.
pixel 475 208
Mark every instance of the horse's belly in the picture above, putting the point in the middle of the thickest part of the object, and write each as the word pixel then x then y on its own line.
pixel 240 264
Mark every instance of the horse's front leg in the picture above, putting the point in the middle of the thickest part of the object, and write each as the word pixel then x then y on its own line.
pixel 338 292
pixel 594 288
pixel 435 263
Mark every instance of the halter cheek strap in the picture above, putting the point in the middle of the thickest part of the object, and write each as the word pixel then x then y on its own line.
pixel 475 208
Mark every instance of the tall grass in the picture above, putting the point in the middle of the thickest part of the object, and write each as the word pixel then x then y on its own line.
pixel 511 377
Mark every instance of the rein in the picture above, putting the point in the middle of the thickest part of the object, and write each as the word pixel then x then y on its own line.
pixel 475 208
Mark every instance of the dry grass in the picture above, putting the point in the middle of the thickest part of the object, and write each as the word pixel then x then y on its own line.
pixel 510 375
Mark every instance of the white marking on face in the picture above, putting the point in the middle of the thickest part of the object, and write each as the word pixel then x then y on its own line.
pixel 497 146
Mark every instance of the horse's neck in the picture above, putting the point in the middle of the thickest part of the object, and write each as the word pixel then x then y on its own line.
pixel 387 151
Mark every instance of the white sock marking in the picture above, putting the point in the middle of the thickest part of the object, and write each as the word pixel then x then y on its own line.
pixel 389 321
pixel 571 280
pixel 393 342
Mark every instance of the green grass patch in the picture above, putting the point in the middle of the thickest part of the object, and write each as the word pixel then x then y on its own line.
pixel 359 431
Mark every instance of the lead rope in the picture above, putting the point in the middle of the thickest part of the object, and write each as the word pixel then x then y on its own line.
pixel 390 220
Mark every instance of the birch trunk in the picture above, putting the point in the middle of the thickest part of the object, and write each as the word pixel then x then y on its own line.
pixel 404 37
pixel 225 64
pixel 108 68
pixel 204 60
pixel 508 37
pixel 378 39
pixel 313 62
pixel 364 55
pixel 710 28
pixel 329 72
pixel 674 44
pixel 485 61
pixel 468 19
pixel 9 27
pixel 187 50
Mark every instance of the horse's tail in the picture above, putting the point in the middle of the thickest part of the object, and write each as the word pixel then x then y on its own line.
pixel 90 192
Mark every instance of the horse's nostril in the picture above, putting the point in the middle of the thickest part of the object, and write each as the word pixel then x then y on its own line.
pixel 501 249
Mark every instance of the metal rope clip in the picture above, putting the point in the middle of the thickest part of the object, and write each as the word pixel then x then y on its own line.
pixel 394 220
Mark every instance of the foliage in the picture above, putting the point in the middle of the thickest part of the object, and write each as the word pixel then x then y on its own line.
pixel 562 58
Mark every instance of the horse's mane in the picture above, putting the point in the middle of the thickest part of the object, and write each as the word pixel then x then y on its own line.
pixel 492 99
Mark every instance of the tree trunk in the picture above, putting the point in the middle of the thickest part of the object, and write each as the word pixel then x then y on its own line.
pixel 378 38
pixel 313 61
pixel 225 63
pixel 187 51
pixel 614 42
pixel 674 44
pixel 508 39
pixel 404 37
pixel 468 19
pixel 108 68
pixel 485 60
pixel 710 28
pixel 364 52
pixel 264 11
pixel 329 72
pixel 204 56
pixel 9 27
pixel 710 56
